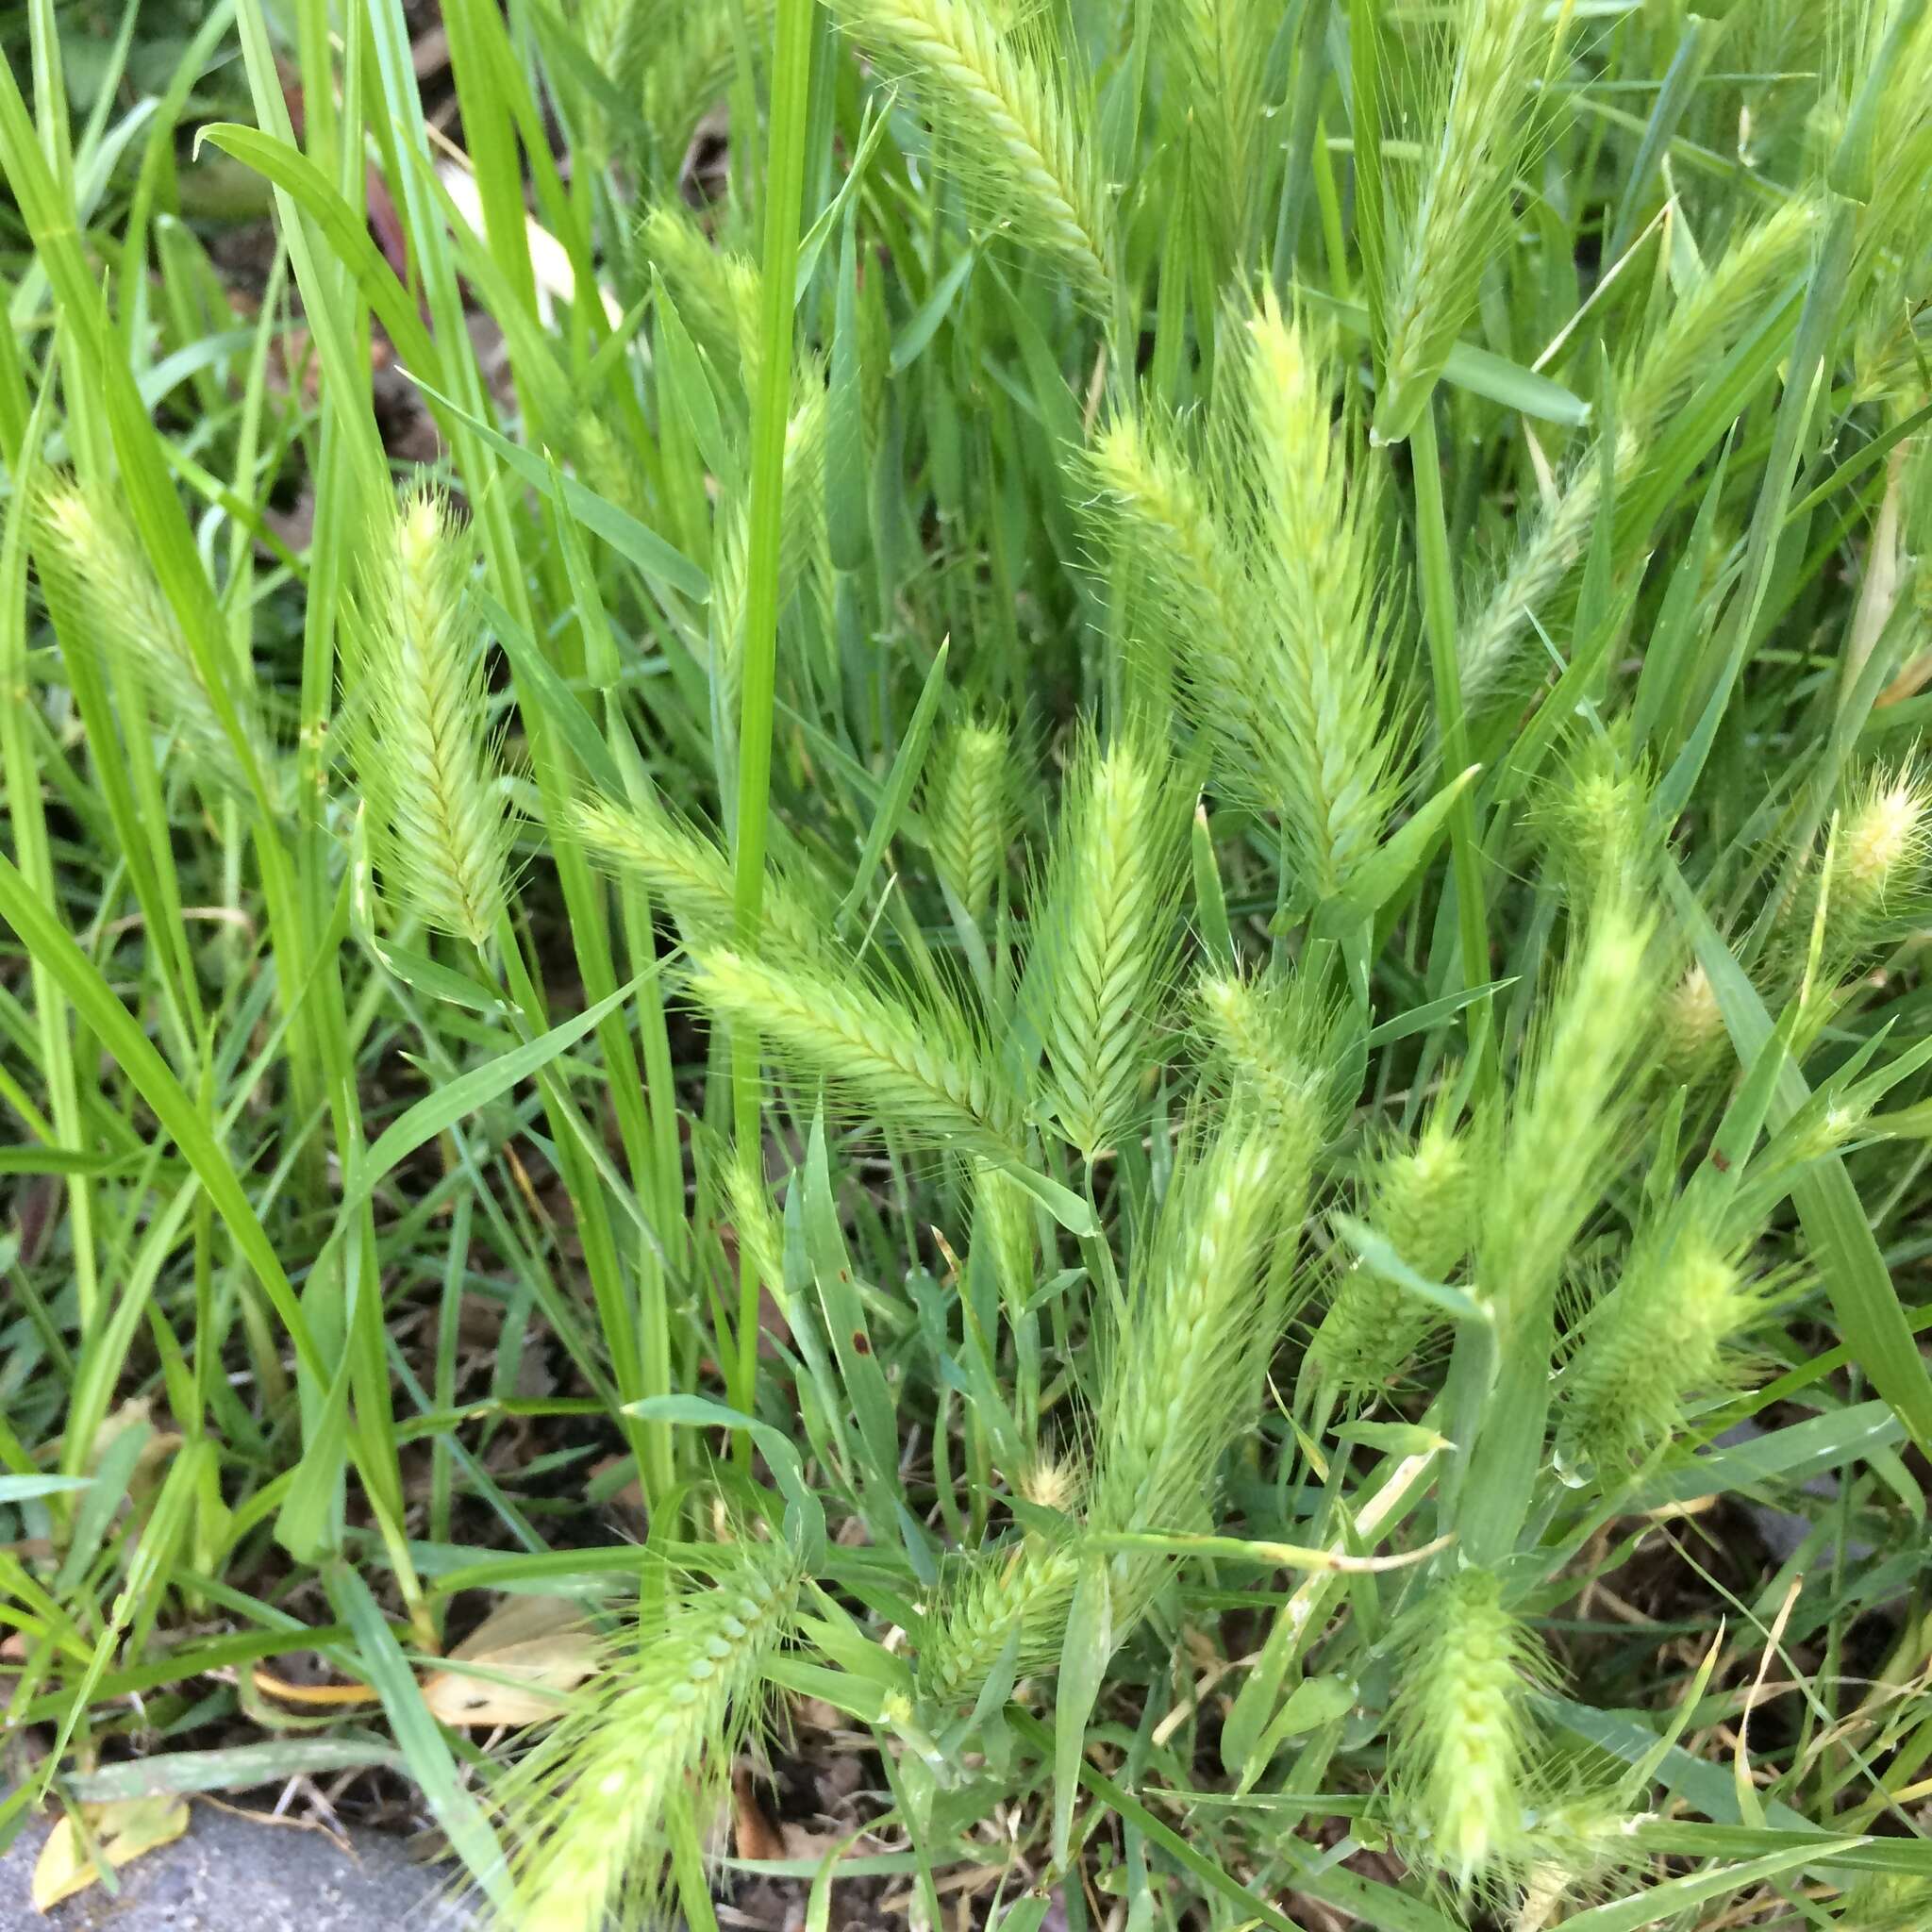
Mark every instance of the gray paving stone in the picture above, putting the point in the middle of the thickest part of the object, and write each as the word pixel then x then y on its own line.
pixel 230 1874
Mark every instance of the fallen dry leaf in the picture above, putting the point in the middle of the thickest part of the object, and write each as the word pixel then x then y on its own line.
pixel 757 1836
pixel 123 1829
pixel 526 1657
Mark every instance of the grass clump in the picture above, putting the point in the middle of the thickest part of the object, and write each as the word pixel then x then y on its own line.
pixel 1054 875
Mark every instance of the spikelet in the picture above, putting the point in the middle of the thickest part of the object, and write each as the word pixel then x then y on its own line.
pixel 1692 1025
pixel 1009 1604
pixel 1697 333
pixel 755 1222
pixel 1018 146
pixel 1596 822
pixel 1662 1336
pixel 1571 1107
pixel 1203 1320
pixel 1200 1326
pixel 93 562
pixel 1877 857
pixel 1152 517
pixel 801 533
pixel 689 69
pixel 644 839
pixel 1310 686
pixel 716 288
pixel 1270 1040
pixel 1220 50
pixel 1002 1219
pixel 1421 1199
pixel 1106 935
pixel 1462 204
pixel 967 809
pixel 594 1794
pixel 1461 1737
pixel 1886 1902
pixel 922 1069
pixel 416 721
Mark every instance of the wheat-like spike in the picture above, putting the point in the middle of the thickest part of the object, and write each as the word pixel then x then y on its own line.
pixel 801 533
pixel 997 88
pixel 1316 685
pixel 679 864
pixel 1571 1106
pixel 690 68
pixel 1016 1598
pixel 1107 935
pixel 1270 1041
pixel 967 809
pixel 416 717
pixel 594 1794
pixel 1187 599
pixel 1462 1732
pixel 1463 200
pixel 1662 1336
pixel 1422 1201
pixel 86 549
pixel 1220 47
pixel 755 1221
pixel 716 288
pixel 1185 1368
pixel 1691 341
pixel 1199 1328
pixel 922 1069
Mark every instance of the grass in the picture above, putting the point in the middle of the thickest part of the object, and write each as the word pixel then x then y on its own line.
pixel 1088 945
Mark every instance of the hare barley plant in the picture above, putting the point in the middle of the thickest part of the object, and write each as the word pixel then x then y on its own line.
pixel 1041 886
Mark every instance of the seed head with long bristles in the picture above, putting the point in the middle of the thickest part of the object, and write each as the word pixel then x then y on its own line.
pixel 1018 146
pixel 95 572
pixel 417 721
pixel 1462 1742
pixel 592 1797
pixel 1107 935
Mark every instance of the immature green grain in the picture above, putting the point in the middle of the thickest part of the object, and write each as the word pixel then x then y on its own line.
pixel 801 534
pixel 1422 1201
pixel 1268 1037
pixel 1186 595
pixel 594 1793
pixel 644 839
pixel 1010 1604
pixel 756 1223
pixel 921 1068
pixel 1106 935
pixel 1571 1107
pixel 716 288
pixel 689 66
pixel 1878 856
pixel 997 88
pixel 1692 1025
pixel 1462 199
pixel 1691 343
pixel 1463 1741
pixel 1311 685
pixel 416 718
pixel 968 809
pixel 1661 1336
pixel 1218 48
pixel 89 556
pixel 1201 1323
